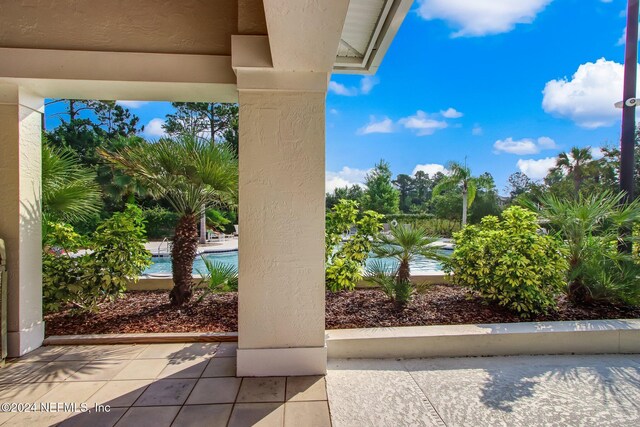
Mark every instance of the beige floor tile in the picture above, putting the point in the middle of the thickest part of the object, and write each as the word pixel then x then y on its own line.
pixel 214 390
pixel 166 393
pixel 149 417
pixel 266 389
pixel 17 372
pixel 37 419
pixel 43 354
pixel 196 350
pixel 306 388
pixel 80 353
pixel 220 367
pixel 142 369
pixel 226 349
pixel 119 393
pixel 25 393
pixel 95 419
pixel 257 415
pixel 203 415
pixel 54 371
pixel 121 351
pixel 98 370
pixel 160 351
pixel 73 392
pixel 308 414
pixel 179 368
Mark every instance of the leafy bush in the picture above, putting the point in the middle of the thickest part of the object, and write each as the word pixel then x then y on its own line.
pixel 509 262
pixel 160 222
pixel 218 277
pixel 590 225
pixel 345 263
pixel 116 255
pixel 385 276
pixel 440 227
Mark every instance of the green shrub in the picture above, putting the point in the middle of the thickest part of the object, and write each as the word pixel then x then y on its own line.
pixel 116 255
pixel 439 227
pixel 589 226
pixel 160 222
pixel 218 277
pixel 385 276
pixel 509 262
pixel 345 263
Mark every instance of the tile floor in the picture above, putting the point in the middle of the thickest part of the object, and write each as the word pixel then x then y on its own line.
pixel 154 385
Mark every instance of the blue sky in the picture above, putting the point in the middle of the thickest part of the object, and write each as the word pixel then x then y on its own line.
pixel 505 84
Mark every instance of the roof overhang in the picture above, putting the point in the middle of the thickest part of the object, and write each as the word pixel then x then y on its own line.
pixel 368 31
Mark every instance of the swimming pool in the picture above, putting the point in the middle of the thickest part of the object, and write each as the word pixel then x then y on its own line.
pixel 162 265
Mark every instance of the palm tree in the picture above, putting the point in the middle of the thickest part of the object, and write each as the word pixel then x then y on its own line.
pixel 574 164
pixel 69 191
pixel 459 176
pixel 190 173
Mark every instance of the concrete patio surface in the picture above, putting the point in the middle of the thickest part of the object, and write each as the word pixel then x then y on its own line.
pixel 153 385
pixel 594 390
pixel 195 385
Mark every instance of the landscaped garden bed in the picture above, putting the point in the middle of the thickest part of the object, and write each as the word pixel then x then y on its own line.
pixel 149 311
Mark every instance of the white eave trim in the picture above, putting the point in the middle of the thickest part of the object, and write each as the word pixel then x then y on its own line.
pixel 391 18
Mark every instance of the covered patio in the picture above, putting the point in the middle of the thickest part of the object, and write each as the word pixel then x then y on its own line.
pixel 195 385
pixel 273 57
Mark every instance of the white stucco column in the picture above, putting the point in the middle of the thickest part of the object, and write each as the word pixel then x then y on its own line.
pixel 20 214
pixel 281 228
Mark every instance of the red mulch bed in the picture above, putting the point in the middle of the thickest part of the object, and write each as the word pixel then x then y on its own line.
pixel 150 311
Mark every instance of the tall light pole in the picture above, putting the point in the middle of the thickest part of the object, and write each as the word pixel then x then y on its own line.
pixel 627 140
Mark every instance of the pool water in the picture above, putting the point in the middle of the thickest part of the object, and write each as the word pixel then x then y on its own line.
pixel 162 265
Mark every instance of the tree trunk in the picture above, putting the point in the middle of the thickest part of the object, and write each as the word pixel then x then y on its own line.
pixel 404 273
pixel 464 207
pixel 183 253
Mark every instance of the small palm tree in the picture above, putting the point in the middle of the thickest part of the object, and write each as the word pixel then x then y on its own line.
pixel 190 173
pixel 574 164
pixel 404 243
pixel 459 177
pixel 69 191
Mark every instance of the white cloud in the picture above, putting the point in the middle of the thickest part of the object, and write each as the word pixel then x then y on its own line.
pixel 340 89
pixel 344 178
pixel 597 153
pixel 367 83
pixel 333 111
pixel 477 130
pixel 430 169
pixel 382 126
pixel 524 146
pixel 623 38
pixel 481 17
pixel 536 169
pixel 154 128
pixel 451 113
pixel 588 97
pixel 422 123
pixel 132 104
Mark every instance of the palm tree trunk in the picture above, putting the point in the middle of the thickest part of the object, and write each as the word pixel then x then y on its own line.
pixel 404 273
pixel 464 207
pixel 183 253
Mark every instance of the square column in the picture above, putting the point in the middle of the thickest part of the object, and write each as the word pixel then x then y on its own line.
pixel 281 232
pixel 20 216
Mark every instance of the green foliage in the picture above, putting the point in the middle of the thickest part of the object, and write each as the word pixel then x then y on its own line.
pixel 509 262
pixel 381 196
pixel 217 220
pixel 590 225
pixel 355 193
pixel 160 222
pixel 404 243
pixel 344 263
pixel 383 275
pixel 69 190
pixel 116 255
pixel 218 277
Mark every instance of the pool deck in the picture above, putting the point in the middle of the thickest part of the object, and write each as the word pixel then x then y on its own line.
pixel 228 244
